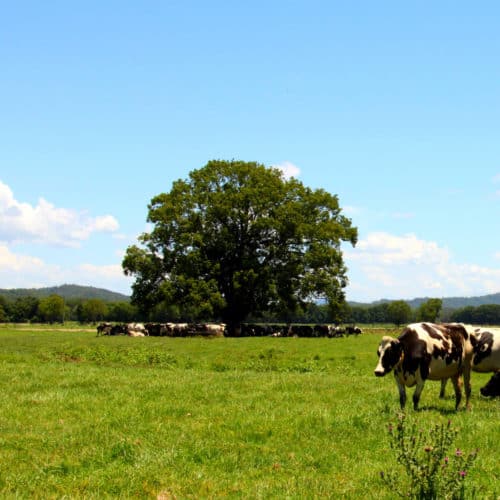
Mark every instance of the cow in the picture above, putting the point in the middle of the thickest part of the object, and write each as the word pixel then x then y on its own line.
pixel 104 329
pixel 492 388
pixel 427 351
pixel 353 330
pixel 486 351
pixel 136 330
pixel 215 329
pixel 486 348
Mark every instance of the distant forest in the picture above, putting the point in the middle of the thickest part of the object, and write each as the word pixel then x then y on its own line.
pixel 67 292
pixel 91 305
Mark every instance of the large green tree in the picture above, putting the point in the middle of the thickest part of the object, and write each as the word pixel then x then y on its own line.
pixel 429 310
pixel 24 309
pixel 52 309
pixel 238 238
pixel 399 312
pixel 92 310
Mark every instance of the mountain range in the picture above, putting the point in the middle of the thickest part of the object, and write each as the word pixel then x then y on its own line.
pixel 78 292
pixel 448 302
pixel 68 292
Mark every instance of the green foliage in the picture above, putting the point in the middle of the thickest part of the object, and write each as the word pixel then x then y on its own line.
pixel 429 310
pixel 23 309
pixel 51 309
pixel 434 471
pixel 123 312
pixel 399 312
pixel 237 238
pixel 486 314
pixel 92 310
pixel 3 314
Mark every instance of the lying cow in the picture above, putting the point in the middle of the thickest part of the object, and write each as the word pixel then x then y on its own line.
pixel 486 351
pixel 104 329
pixel 136 330
pixel 492 388
pixel 427 351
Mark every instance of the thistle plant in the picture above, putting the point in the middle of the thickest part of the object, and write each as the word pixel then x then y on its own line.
pixel 435 469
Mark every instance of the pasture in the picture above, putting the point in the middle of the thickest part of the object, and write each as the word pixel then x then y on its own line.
pixel 120 417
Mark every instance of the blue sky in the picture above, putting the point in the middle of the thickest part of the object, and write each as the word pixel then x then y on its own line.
pixel 393 106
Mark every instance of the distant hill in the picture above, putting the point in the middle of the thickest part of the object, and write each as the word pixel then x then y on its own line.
pixel 68 292
pixel 448 302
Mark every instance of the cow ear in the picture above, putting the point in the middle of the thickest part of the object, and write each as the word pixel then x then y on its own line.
pixel 473 340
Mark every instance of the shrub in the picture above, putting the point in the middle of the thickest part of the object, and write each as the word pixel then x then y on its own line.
pixel 434 472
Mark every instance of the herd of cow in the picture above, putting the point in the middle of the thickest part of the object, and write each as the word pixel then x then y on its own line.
pixel 423 351
pixel 219 329
pixel 428 351
pixel 161 329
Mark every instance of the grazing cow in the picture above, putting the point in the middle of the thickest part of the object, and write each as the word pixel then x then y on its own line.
pixel 492 388
pixel 486 351
pixel 486 348
pixel 427 351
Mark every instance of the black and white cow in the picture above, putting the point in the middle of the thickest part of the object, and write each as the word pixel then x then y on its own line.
pixel 485 349
pixel 492 388
pixel 427 351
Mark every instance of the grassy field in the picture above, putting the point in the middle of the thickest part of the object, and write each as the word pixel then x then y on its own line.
pixel 119 417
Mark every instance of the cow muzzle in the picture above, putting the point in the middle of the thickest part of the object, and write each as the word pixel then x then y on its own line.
pixel 379 373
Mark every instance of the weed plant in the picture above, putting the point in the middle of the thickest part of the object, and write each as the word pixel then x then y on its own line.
pixel 430 469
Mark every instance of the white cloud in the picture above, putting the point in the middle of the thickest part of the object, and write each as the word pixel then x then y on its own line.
pixel 404 267
pixel 496 178
pixel 288 169
pixel 46 223
pixel 24 271
pixel 403 215
pixel 18 263
pixel 17 270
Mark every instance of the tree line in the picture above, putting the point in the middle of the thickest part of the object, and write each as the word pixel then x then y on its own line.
pixel 57 309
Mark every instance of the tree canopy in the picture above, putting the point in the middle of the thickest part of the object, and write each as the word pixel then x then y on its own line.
pixel 238 238
pixel 52 308
pixel 429 310
pixel 399 312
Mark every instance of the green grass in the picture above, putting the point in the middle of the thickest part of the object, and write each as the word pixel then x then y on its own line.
pixel 119 417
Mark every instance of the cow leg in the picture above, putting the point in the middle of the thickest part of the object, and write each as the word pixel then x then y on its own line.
pixel 467 385
pixel 418 390
pixel 457 385
pixel 443 388
pixel 402 393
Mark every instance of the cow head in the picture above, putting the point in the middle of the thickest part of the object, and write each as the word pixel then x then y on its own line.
pixel 492 388
pixel 389 354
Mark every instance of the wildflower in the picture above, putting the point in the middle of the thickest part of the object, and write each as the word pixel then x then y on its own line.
pixel 458 452
pixel 462 473
pixel 446 459
pixel 391 428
